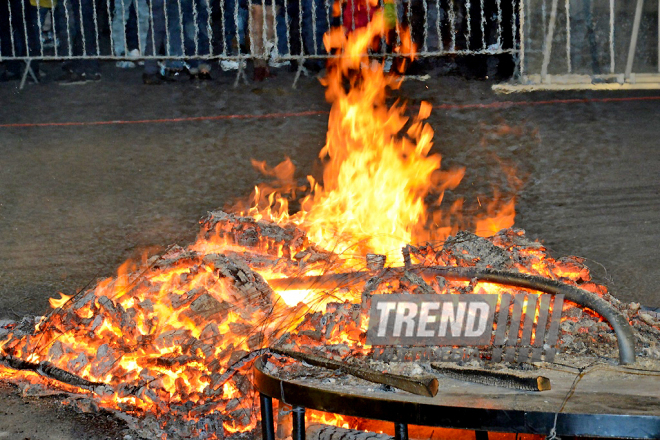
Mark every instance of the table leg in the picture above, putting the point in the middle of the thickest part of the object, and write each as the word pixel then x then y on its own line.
pixel 298 423
pixel 267 425
pixel 400 431
pixel 481 435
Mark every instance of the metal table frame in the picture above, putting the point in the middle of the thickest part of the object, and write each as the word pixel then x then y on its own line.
pixel 401 413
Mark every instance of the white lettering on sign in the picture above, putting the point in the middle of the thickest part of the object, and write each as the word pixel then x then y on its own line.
pixel 385 309
pixel 431 319
pixel 405 314
pixel 477 328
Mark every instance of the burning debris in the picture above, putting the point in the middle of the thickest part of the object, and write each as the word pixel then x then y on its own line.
pixel 167 344
pixel 172 340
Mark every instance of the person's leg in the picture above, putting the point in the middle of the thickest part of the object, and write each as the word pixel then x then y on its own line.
pixel 174 41
pixel 119 19
pixel 89 32
pixel 315 24
pixel 156 36
pixel 204 37
pixel 257 49
pixel 142 11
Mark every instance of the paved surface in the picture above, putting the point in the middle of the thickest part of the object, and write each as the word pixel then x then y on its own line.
pixel 76 201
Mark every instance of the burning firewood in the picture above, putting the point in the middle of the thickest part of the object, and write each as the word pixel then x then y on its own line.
pixel 494 378
pixel 50 371
pixel 423 386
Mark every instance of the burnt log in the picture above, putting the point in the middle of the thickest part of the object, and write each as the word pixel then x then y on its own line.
pixel 494 378
pixel 422 386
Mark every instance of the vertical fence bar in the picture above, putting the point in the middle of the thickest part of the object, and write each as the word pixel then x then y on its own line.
pixel 514 32
pixel 633 38
pixel 96 28
pixel 39 30
pixel 68 12
pixel 223 28
pixel 81 29
pixel 110 18
pixel 167 29
pixel 300 29
pixel 468 20
pixel 547 47
pixel 544 19
pixel 567 6
pixel 316 52
pixel 611 36
pixel 25 31
pixel 483 26
pixel 499 23
pixel 452 25
pixel 441 44
pixel 425 47
pixel 11 29
pixel 288 26
pixel 182 35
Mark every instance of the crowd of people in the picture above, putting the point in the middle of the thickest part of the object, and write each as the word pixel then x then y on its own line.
pixel 173 37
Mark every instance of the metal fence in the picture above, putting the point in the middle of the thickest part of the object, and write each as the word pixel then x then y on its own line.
pixel 191 33
pixel 588 44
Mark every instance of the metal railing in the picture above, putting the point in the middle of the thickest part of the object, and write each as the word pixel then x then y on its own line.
pixel 270 31
pixel 588 44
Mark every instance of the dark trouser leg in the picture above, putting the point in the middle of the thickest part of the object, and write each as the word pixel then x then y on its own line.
pixel 155 36
pixel 84 43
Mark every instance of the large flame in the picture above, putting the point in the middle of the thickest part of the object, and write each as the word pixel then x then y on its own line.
pixel 378 173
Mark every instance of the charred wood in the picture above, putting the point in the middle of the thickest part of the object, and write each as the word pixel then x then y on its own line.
pixel 494 378
pixel 423 386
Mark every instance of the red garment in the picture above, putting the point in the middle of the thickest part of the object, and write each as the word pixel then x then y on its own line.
pixel 357 9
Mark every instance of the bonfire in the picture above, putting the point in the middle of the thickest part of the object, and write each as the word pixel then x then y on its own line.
pixel 169 341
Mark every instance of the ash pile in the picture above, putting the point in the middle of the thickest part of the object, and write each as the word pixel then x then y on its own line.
pixel 168 343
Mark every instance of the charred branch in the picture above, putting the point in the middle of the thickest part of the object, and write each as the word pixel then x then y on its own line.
pixel 494 378
pixel 50 371
pixel 422 386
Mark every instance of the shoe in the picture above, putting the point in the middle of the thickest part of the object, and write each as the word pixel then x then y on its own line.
pixel 260 74
pixel 96 76
pixel 231 65
pixel 153 78
pixel 71 78
pixel 9 76
pixel 125 64
pixel 134 54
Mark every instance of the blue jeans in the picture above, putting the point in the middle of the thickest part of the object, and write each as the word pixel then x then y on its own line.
pixel 196 16
pixel 234 31
pixel 314 14
pixel 164 37
pixel 82 33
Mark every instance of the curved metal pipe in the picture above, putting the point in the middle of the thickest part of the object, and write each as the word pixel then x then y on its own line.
pixel 621 326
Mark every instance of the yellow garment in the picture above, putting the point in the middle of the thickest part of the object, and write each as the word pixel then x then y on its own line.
pixel 44 3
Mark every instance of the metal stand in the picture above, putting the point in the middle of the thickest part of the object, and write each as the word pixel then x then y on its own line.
pixel 298 423
pixel 28 70
pixel 633 39
pixel 400 431
pixel 267 424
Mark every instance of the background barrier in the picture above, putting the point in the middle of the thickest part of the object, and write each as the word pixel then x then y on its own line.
pixel 192 33
pixel 588 44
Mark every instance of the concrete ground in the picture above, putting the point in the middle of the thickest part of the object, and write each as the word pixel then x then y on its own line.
pixel 77 200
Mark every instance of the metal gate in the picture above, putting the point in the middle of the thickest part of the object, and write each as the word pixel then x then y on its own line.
pixel 588 44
